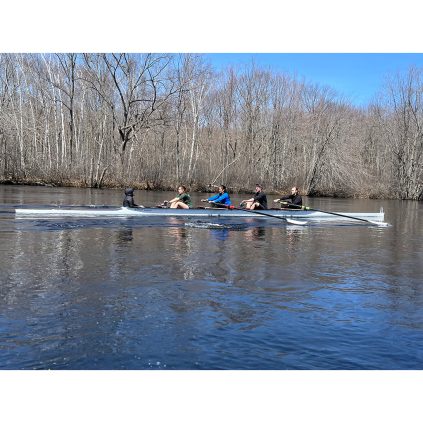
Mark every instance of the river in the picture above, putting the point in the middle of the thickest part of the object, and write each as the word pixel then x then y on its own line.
pixel 167 293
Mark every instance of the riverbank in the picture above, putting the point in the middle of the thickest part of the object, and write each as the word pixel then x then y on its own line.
pixel 151 186
pixel 142 186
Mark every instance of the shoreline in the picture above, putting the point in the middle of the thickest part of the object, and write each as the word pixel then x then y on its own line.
pixel 199 188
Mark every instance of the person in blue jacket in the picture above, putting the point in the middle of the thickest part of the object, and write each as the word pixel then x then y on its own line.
pixel 221 198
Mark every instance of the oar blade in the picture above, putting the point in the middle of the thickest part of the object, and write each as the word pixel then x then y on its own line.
pixel 382 224
pixel 295 222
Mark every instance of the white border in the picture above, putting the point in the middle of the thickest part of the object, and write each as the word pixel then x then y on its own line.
pixel 211 26
pixel 211 396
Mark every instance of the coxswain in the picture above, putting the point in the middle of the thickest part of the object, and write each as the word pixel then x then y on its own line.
pixel 128 201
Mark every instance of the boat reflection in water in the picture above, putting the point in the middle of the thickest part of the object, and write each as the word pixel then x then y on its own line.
pixel 124 235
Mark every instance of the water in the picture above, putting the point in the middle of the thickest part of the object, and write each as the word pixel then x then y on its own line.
pixel 170 293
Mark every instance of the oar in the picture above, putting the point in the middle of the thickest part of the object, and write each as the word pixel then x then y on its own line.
pixel 286 219
pixel 373 222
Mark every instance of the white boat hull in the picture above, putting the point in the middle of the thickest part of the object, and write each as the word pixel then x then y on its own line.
pixel 204 213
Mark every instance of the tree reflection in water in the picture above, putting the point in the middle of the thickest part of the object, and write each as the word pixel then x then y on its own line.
pixel 255 234
pixel 293 237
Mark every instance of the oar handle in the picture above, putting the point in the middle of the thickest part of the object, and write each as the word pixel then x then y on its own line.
pixel 297 206
pixel 223 206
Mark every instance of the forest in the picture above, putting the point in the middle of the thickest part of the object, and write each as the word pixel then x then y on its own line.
pixel 153 121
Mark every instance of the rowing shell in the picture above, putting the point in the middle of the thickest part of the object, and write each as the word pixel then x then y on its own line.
pixel 204 213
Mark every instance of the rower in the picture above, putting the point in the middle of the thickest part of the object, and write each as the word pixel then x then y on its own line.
pixel 128 201
pixel 181 201
pixel 221 198
pixel 294 200
pixel 259 201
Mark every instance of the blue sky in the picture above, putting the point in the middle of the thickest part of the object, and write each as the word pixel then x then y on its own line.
pixel 359 76
pixel 360 27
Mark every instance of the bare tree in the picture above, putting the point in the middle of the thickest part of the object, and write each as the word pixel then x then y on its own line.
pixel 141 89
pixel 158 120
pixel 405 133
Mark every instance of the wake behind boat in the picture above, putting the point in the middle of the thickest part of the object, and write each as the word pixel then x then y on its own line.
pixel 194 212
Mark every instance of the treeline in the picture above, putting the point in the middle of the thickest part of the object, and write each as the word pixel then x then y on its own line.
pixel 156 120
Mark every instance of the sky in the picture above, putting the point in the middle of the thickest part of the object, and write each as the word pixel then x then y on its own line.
pixel 358 76
pixel 351 48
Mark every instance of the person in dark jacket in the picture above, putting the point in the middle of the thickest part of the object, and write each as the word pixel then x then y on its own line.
pixel 294 200
pixel 259 201
pixel 128 201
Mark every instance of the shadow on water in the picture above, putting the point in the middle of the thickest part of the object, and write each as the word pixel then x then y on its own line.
pixel 124 235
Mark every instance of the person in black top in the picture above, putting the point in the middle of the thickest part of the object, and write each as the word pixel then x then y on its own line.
pixel 128 201
pixel 259 201
pixel 289 201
